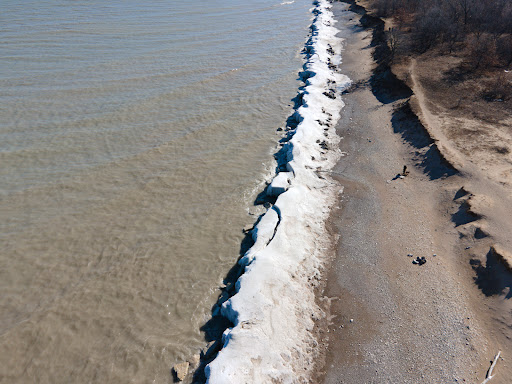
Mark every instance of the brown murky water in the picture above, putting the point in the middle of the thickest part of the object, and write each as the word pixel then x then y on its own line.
pixel 133 140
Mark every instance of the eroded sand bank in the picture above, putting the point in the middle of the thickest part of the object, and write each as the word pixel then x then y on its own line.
pixel 393 321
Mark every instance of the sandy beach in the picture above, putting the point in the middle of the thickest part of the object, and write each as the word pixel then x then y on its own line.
pixel 390 320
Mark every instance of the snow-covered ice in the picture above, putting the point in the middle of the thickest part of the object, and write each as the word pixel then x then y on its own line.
pixel 274 308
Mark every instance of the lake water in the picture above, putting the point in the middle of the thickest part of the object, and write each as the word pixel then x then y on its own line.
pixel 134 138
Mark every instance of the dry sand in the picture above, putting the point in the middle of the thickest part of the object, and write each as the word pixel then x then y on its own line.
pixel 392 321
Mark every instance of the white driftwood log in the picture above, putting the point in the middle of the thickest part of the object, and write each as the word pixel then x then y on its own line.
pixel 489 372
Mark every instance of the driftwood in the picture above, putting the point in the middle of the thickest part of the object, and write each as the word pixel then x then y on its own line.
pixel 489 372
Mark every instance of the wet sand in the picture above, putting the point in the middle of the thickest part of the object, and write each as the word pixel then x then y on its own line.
pixel 392 321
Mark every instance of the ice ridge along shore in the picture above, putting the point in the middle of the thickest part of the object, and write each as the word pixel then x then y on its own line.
pixel 274 309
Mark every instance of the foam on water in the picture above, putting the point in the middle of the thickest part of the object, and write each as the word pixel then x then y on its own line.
pixel 274 308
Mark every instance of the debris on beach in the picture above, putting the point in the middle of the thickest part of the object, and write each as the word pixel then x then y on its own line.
pixel 402 174
pixel 331 94
pixel 323 145
pixel 419 260
pixel 489 375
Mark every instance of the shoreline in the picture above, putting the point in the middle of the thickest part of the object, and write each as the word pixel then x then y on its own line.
pixel 269 308
pixel 379 316
pixel 391 320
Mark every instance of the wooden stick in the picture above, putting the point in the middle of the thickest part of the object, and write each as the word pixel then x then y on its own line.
pixel 489 372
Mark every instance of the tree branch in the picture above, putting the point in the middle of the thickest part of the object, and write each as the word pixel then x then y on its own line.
pixel 489 372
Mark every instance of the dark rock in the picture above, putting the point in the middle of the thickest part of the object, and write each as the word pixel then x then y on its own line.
pixel 330 94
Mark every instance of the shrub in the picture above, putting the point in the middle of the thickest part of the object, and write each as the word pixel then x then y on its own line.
pixel 481 51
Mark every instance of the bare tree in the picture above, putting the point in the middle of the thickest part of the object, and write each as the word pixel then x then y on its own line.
pixel 393 42
pixel 466 6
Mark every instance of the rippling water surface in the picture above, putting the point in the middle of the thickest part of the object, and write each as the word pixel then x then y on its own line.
pixel 134 137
